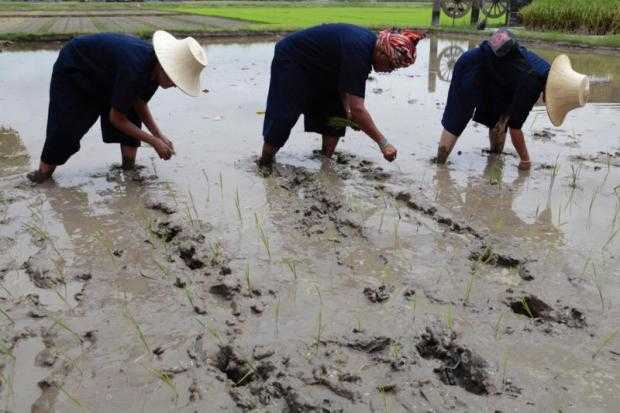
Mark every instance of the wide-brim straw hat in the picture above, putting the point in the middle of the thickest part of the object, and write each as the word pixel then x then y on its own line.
pixel 182 60
pixel 565 90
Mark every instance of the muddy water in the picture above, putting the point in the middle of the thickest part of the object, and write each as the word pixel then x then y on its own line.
pixel 345 285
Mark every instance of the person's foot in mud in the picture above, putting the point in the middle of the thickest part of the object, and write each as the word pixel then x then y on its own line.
pixel 42 174
pixel 129 163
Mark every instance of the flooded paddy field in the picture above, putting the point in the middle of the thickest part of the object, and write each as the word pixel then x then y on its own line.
pixel 57 23
pixel 346 285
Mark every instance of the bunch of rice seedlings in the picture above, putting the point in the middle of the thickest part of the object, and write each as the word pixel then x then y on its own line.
pixel 577 16
pixel 337 122
pixel 498 324
pixel 247 277
pixel 526 307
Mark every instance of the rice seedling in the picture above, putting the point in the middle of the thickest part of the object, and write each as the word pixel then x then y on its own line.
pixel 596 283
pixel 276 316
pixel 172 194
pixel 504 368
pixel 238 206
pixel 554 175
pixel 211 330
pixel 106 243
pixel 252 370
pixel 262 235
pixel 469 286
pixel 73 400
pixel 291 263
pixel 395 351
pixel 6 290
pixel 204 173
pixel 154 167
pixel 526 307
pixel 495 175
pixel 164 269
pixel 8 317
pixel 221 186
pixel 165 378
pixel 605 343
pixel 450 317
pixel 396 236
pixel 319 321
pixel 611 238
pixel 64 326
pixel 338 122
pixel 384 396
pixel 413 305
pixel 498 325
pixel 6 351
pixel 247 277
pixel 134 324
pixel 574 176
pixel 191 199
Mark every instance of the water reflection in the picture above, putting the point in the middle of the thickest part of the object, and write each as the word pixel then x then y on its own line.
pixel 14 158
pixel 603 71
pixel 492 207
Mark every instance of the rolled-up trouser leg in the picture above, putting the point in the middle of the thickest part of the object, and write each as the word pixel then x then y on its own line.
pixel 71 114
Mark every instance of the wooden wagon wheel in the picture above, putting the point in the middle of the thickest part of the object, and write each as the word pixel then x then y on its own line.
pixel 447 60
pixel 456 8
pixel 493 9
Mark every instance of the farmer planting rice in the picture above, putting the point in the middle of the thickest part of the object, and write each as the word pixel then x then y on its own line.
pixel 321 72
pixel 113 76
pixel 498 84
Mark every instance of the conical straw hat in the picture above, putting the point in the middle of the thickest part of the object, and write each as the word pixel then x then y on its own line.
pixel 565 90
pixel 182 60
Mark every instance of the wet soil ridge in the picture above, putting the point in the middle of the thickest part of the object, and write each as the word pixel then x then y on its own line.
pixel 317 206
pixel 535 308
pixel 459 366
pixel 486 255
pixel 432 212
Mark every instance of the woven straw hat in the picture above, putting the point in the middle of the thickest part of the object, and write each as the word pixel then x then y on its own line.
pixel 182 60
pixel 565 90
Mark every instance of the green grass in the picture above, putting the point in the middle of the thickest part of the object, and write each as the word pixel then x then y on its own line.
pixel 298 16
pixel 577 16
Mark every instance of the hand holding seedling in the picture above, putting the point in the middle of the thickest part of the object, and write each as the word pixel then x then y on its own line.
pixel 389 152
pixel 164 150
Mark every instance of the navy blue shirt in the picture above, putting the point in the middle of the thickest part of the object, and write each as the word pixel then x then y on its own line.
pixel 114 69
pixel 334 56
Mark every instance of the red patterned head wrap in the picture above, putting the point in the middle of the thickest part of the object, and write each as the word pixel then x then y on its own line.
pixel 399 46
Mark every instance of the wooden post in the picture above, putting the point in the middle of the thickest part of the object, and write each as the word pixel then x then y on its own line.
pixel 436 13
pixel 433 65
pixel 475 12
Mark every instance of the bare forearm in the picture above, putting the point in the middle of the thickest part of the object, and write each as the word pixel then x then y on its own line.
pixel 146 116
pixel 363 119
pixel 120 122
pixel 518 141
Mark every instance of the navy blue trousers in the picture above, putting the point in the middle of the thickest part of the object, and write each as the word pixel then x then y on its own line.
pixel 292 92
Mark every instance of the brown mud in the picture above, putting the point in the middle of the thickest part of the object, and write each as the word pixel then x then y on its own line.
pixel 347 285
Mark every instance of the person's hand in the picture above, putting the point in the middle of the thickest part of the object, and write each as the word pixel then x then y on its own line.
pixel 389 152
pixel 168 142
pixel 525 165
pixel 163 149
